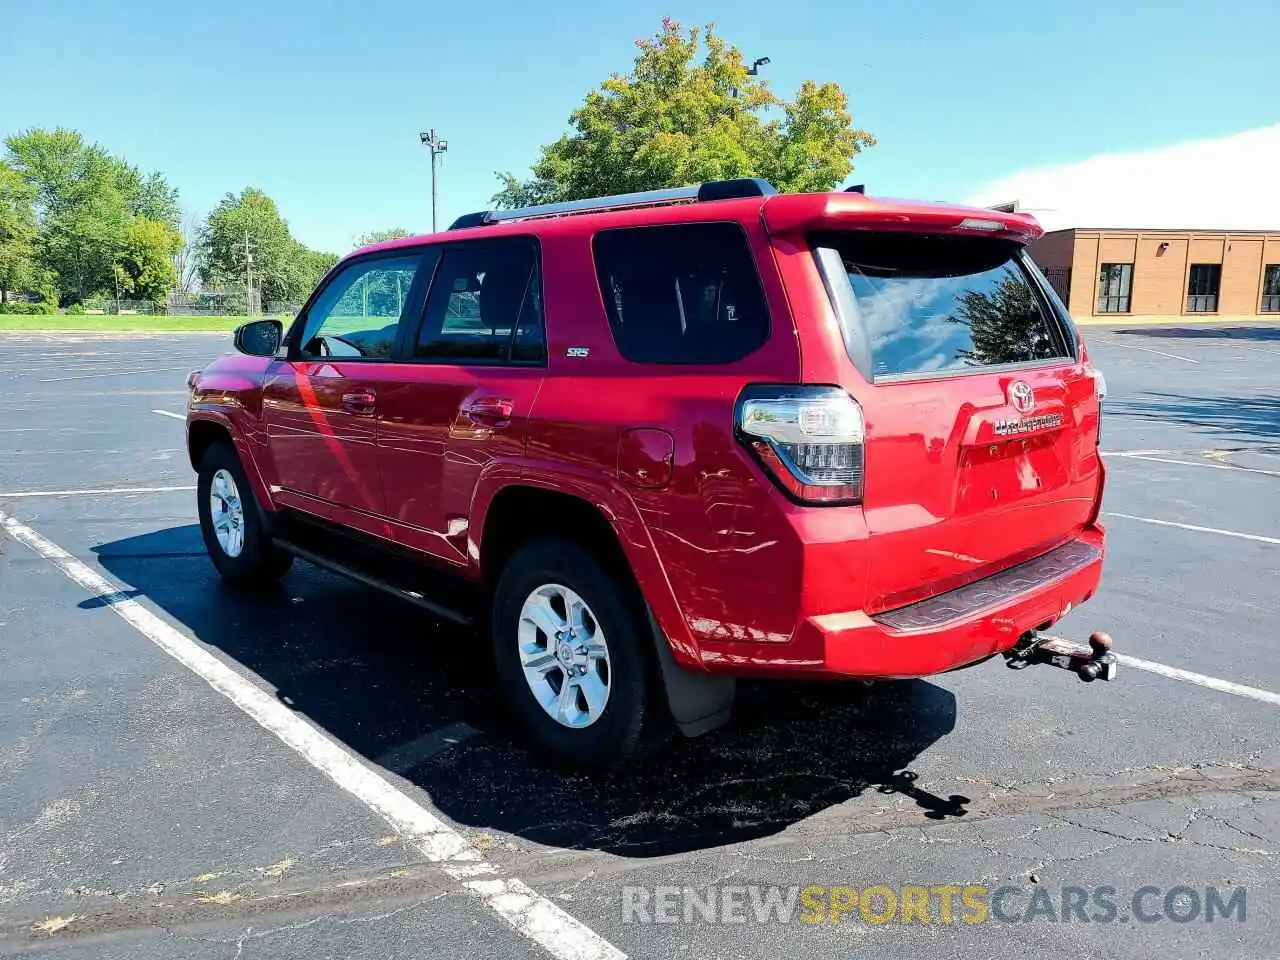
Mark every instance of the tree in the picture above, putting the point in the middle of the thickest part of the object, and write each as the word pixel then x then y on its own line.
pixel 312 266
pixel 79 203
pixel 84 197
pixel 688 112
pixel 1005 325
pixel 146 259
pixel 17 232
pixel 283 268
pixel 186 262
pixel 152 198
pixel 380 236
pixel 251 216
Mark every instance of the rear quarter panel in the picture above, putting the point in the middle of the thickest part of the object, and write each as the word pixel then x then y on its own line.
pixel 713 550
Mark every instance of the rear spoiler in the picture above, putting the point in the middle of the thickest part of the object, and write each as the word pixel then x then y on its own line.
pixel 802 213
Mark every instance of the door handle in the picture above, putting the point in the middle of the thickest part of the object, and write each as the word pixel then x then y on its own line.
pixel 490 411
pixel 359 402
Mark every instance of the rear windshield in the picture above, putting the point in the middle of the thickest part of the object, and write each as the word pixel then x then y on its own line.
pixel 918 304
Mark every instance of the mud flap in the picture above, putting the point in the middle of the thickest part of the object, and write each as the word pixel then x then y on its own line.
pixel 699 702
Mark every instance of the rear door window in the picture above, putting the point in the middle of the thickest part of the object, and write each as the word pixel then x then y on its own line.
pixel 921 304
pixel 485 305
pixel 681 294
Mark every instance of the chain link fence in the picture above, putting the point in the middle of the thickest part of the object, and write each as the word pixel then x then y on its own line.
pixel 210 303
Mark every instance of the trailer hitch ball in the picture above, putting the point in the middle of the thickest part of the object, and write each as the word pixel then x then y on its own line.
pixel 1102 663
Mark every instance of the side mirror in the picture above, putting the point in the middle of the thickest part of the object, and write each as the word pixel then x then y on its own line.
pixel 259 338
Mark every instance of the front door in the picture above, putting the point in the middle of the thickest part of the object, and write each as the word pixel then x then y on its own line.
pixel 458 407
pixel 321 405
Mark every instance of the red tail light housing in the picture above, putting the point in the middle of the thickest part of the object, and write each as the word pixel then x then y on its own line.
pixel 808 438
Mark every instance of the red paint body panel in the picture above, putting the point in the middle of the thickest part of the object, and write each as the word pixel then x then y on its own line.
pixel 317 447
pixel 434 449
pixel 739 578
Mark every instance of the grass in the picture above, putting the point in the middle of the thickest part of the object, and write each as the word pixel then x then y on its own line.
pixel 127 323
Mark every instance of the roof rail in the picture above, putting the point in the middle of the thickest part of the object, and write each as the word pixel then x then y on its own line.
pixel 711 190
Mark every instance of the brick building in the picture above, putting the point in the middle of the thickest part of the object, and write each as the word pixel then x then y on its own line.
pixel 1163 273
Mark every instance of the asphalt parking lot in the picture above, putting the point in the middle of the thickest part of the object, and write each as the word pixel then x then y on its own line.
pixel 146 811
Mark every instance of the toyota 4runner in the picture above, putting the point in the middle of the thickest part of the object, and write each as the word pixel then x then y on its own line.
pixel 655 442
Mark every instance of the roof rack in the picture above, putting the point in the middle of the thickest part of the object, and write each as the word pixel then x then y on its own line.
pixel 711 190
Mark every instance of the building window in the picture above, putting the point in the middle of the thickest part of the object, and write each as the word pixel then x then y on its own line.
pixel 1202 287
pixel 1115 283
pixel 1271 289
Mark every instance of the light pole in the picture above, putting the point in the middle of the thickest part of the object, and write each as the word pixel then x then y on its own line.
pixel 752 71
pixel 432 142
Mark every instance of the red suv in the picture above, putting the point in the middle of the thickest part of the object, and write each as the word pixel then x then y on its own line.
pixel 660 441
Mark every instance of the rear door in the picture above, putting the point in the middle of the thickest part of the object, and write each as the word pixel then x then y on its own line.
pixel 321 405
pixel 457 407
pixel 981 416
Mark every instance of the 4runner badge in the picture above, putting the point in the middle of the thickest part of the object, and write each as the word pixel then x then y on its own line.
pixel 1023 399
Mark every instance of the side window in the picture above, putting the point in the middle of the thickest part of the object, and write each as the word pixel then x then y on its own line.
pixel 687 293
pixel 485 305
pixel 358 314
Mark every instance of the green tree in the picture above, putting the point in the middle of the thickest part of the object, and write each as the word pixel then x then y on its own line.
pixel 688 112
pixel 253 216
pixel 84 197
pixel 1005 325
pixel 146 259
pixel 79 202
pixel 151 197
pixel 380 236
pixel 283 268
pixel 18 233
pixel 312 265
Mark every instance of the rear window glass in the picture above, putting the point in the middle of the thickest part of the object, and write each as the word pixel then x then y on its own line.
pixel 924 304
pixel 687 293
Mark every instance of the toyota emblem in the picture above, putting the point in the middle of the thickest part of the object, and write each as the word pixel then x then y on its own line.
pixel 1021 396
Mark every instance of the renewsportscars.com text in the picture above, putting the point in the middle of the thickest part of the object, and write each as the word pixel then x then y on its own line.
pixel 935 904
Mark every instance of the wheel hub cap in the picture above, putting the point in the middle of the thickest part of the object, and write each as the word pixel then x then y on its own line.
pixel 226 511
pixel 564 655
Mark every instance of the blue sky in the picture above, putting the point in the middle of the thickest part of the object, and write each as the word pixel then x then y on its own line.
pixel 320 103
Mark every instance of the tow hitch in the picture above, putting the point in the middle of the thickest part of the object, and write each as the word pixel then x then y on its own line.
pixel 1095 663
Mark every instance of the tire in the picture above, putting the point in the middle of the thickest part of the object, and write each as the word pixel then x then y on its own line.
pixel 538 573
pixel 251 560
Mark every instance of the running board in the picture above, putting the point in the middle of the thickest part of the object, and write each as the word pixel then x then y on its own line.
pixel 370 579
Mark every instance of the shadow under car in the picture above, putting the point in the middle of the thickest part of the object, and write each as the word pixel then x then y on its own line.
pixel 377 674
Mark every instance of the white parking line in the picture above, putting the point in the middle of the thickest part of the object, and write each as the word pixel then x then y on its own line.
pixel 527 912
pixel 1194 463
pixel 1187 676
pixel 170 413
pixel 1134 346
pixel 1191 526
pixel 134 371
pixel 24 494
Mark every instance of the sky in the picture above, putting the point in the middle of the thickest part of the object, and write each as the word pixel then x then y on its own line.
pixel 1090 112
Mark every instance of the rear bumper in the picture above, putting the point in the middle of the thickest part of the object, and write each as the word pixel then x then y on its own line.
pixel 935 635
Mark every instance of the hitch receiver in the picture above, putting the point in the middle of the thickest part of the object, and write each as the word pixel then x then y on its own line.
pixel 1095 663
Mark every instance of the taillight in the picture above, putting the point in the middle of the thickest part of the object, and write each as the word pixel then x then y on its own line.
pixel 1099 393
pixel 808 438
